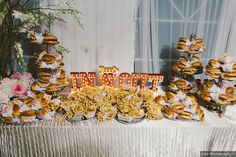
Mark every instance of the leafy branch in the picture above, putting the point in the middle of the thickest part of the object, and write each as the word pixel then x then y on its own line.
pixel 17 18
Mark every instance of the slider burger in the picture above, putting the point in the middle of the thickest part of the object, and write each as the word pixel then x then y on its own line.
pixel 176 67
pixel 16 110
pixel 189 71
pixel 205 90
pixel 49 59
pixel 8 120
pixel 40 54
pixel 170 114
pixel 213 63
pixel 29 101
pixel 186 88
pixel 49 38
pixel 43 99
pixel 160 100
pixel 199 41
pixel 234 66
pixel 61 73
pixel 194 49
pixel 43 102
pixel 194 100
pixel 200 113
pixel 59 63
pixel 223 99
pixel 213 72
pixel 183 39
pixel 177 107
pixel 44 76
pixel 169 97
pixel 45 73
pixel 206 98
pixel 180 83
pixel 185 115
pixel 231 76
pixel 181 43
pixel 44 80
pixel 42 85
pixel 231 98
pixel 42 112
pixel 182 64
pixel 27 113
pixel 196 65
pixel 62 80
pixel 172 85
pixel 53 88
pixel 181 48
pixel 230 90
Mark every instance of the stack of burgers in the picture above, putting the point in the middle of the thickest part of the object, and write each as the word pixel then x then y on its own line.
pixel 189 45
pixel 212 92
pixel 188 65
pixel 188 85
pixel 219 89
pixel 51 77
pixel 46 38
pixel 224 68
pixel 180 106
pixel 32 108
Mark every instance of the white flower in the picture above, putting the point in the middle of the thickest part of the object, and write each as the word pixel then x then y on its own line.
pixel 18 48
pixel 20 15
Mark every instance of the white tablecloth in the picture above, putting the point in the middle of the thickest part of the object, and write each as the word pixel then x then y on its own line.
pixel 112 139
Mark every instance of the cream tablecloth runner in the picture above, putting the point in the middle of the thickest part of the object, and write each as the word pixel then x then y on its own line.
pixel 111 139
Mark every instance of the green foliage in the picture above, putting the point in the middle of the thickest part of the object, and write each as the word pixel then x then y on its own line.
pixel 63 49
pixel 18 17
pixel 20 57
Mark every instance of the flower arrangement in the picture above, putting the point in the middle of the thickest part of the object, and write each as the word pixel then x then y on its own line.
pixel 17 85
pixel 18 104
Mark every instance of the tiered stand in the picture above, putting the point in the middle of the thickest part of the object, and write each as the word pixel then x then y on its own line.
pixel 51 50
pixel 213 105
pixel 188 77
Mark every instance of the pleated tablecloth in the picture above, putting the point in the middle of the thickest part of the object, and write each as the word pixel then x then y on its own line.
pixel 91 138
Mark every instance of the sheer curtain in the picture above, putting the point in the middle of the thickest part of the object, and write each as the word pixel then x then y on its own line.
pixel 107 38
pixel 159 24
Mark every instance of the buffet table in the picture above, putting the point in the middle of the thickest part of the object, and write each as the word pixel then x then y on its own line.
pixel 113 139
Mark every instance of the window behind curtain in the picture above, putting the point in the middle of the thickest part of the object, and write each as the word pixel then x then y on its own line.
pixel 169 20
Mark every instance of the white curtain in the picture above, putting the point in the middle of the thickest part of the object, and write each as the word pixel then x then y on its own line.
pixel 146 40
pixel 226 33
pixel 231 46
pixel 107 38
pixel 159 24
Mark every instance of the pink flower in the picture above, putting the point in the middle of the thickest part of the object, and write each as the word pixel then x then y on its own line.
pixel 16 76
pixel 7 82
pixel 19 89
pixel 24 77
pixel 28 77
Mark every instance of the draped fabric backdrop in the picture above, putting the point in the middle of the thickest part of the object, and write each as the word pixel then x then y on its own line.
pixel 231 46
pixel 159 24
pixel 107 37
pixel 143 34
